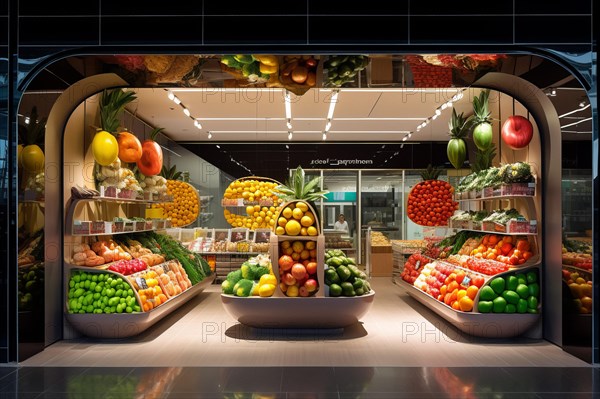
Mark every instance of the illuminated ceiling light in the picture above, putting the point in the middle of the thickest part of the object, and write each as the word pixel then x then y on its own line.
pixel 550 91
pixel 576 110
pixel 576 123
pixel 418 128
pixel 444 106
pixel 176 100
pixel 332 103
pixel 287 147
pixel 171 96
pixel 197 124
pixel 290 135
pixel 218 146
pixel 27 120
pixel 583 103
pixel 409 135
pixel 438 112
pixel 324 135
pixel 328 125
pixel 434 116
pixel 405 138
pixel 186 111
pixel 449 104
pixel 209 135
pixel 288 108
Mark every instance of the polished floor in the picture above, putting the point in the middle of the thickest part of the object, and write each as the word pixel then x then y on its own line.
pixel 400 349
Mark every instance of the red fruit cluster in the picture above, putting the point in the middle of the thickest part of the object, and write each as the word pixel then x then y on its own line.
pixel 127 267
pixel 430 203
pixel 412 267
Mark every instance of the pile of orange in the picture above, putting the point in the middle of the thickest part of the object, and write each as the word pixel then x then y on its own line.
pixel 185 206
pixel 260 203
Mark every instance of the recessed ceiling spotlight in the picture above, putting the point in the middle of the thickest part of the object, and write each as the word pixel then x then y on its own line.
pixel 290 135
pixel 209 135
pixel 583 103
pixel 550 91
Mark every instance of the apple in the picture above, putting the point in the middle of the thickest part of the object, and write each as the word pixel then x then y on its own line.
pixel 302 291
pixel 298 271
pixel 311 285
pixel 517 132
pixel 283 286
pixel 288 279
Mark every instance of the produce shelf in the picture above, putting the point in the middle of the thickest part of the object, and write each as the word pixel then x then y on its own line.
pixel 487 325
pixel 122 200
pixel 499 197
pixel 456 230
pixel 111 234
pixel 309 312
pixel 126 325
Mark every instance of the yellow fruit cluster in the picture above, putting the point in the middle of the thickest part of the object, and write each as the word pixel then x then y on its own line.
pixel 296 219
pixel 185 206
pixel 263 203
pixel 257 217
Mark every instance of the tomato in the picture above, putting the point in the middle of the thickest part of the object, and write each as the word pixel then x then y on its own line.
pixel 105 148
pixel 517 132
pixel 32 158
pixel 130 148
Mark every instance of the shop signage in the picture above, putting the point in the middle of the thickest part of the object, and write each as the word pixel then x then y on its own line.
pixel 340 162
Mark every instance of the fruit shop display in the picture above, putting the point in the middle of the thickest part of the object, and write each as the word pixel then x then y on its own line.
pixel 31 286
pixel 297 219
pixel 488 267
pixel 251 203
pixel 511 293
pixel 185 207
pixel 343 277
pixel 100 292
pixel 127 267
pixel 149 289
pixel 343 69
pixel 430 202
pixel 250 66
pixel 138 251
pixel 577 253
pixel 580 286
pixel 254 278
pixel 412 267
pixel 298 268
pixel 116 181
pixel 513 175
pixel 173 277
pixel 298 73
pixel 378 239
pixel 153 186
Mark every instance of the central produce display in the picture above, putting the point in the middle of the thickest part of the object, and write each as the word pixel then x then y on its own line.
pixel 299 284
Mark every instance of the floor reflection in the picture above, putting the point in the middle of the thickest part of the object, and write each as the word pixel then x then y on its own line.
pixel 297 382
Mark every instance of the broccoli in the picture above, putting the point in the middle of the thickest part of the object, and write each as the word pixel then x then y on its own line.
pixel 519 172
pixel 243 287
pixel 248 271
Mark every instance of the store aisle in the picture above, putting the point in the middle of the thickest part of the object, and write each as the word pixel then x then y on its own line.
pixel 397 332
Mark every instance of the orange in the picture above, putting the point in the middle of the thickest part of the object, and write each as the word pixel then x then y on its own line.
pixel 466 304
pixel 472 291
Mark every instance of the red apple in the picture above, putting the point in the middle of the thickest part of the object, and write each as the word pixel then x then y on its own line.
pixel 311 285
pixel 517 132
pixel 302 291
pixel 298 271
pixel 288 279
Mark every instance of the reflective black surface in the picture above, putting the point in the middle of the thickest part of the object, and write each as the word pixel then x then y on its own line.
pixel 298 382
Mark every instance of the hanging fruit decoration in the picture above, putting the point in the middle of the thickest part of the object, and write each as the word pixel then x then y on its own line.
pixel 482 131
pixel 105 147
pixel 517 132
pixel 457 148
pixel 130 148
pixel 151 161
pixel 31 156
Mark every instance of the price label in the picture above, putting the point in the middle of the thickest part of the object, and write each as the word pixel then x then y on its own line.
pixel 417 265
pixel 141 282
pixel 466 282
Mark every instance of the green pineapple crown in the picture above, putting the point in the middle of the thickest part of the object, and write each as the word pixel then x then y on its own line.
pixel 483 159
pixel 459 125
pixel 481 111
pixel 112 105
pixel 431 173
pixel 170 174
pixel 298 188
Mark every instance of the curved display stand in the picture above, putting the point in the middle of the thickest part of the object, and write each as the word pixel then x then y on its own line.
pixel 488 325
pixel 130 324
pixel 312 312
pixel 280 311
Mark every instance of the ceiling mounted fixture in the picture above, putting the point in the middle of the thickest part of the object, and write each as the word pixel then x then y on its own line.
pixel 288 108
pixel 576 123
pixel 197 124
pixel 550 91
pixel 290 135
pixel 583 102
pixel 209 135
pixel 324 135
pixel 436 113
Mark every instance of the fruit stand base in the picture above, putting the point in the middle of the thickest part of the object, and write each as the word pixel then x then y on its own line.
pixel 126 325
pixel 486 325
pixel 311 312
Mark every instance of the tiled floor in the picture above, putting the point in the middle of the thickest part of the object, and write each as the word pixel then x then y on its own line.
pixel 201 352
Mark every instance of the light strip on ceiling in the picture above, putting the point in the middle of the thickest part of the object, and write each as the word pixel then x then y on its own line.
pixel 310 131
pixel 225 118
pixel 576 123
pixel 436 113
pixel 171 96
pixel 574 111
pixel 288 109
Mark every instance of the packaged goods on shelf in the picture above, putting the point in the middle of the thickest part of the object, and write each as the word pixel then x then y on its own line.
pixel 173 277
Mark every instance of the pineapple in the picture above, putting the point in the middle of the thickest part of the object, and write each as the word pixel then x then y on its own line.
pixel 297 188
pixel 482 131
pixel 457 148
